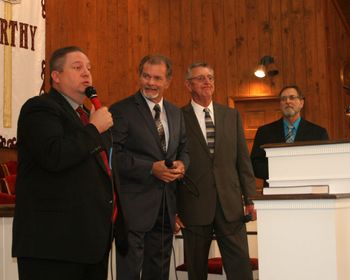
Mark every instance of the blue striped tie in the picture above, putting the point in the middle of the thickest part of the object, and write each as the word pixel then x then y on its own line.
pixel 290 135
pixel 210 130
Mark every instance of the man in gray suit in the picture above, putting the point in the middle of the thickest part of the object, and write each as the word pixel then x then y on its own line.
pixel 218 182
pixel 151 151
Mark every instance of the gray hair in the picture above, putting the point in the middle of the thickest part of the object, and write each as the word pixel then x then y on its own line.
pixel 195 65
pixel 297 89
pixel 155 60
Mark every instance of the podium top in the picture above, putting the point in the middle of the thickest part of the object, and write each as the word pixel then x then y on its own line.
pixel 306 143
pixel 299 196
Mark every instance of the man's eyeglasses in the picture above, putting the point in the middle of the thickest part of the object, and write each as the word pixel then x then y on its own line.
pixel 290 97
pixel 202 78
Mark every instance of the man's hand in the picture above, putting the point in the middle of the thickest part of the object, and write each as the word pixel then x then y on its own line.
pixel 101 119
pixel 178 168
pixel 249 209
pixel 166 174
pixel 178 224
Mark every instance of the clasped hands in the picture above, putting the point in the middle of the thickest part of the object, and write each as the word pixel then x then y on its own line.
pixel 166 174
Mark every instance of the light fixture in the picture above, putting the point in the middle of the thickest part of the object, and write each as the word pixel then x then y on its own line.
pixel 347 111
pixel 266 66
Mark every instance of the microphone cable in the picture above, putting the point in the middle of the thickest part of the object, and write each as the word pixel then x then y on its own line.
pixel 114 202
pixel 186 181
pixel 174 261
pixel 163 225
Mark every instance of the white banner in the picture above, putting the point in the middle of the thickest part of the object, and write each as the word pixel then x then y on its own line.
pixel 22 55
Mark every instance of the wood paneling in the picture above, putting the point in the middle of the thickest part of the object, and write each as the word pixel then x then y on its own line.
pixel 307 38
pixel 256 112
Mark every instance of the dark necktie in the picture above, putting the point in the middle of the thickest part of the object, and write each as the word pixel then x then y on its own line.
pixel 83 115
pixel 210 131
pixel 290 134
pixel 85 120
pixel 159 127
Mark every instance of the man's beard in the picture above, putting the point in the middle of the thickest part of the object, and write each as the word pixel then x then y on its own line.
pixel 150 96
pixel 289 112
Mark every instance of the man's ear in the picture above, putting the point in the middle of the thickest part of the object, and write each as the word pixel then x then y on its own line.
pixel 168 81
pixel 55 76
pixel 188 85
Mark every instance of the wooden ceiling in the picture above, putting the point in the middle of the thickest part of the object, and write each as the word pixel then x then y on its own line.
pixel 345 7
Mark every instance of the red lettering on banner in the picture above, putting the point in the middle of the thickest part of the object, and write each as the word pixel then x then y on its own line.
pixel 32 34
pixel 23 35
pixel 23 32
pixel 3 35
pixel 14 27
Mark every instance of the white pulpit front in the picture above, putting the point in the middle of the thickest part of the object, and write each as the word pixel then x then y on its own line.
pixel 306 236
pixel 310 163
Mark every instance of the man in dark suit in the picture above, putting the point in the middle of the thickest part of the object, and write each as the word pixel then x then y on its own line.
pixel 290 128
pixel 64 192
pixel 148 131
pixel 218 182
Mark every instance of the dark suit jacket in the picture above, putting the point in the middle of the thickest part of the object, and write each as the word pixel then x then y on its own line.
pixel 229 175
pixel 63 192
pixel 274 133
pixel 138 146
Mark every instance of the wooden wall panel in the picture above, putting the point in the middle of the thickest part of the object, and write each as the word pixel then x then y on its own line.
pixel 307 38
pixel 338 41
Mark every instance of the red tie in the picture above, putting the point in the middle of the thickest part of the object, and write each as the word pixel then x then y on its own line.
pixel 85 120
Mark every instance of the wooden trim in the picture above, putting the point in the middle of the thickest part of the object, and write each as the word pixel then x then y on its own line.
pixel 7 210
pixel 306 143
pixel 341 15
pixel 7 154
pixel 299 196
pixel 231 100
pixel 253 98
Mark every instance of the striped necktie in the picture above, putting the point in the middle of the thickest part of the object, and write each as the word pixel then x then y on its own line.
pixel 210 131
pixel 159 127
pixel 290 134
pixel 85 120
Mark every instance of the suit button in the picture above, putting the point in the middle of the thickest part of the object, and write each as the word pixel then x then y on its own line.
pixel 110 202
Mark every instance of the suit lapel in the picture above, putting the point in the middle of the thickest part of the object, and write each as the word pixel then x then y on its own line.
pixel 66 106
pixel 171 125
pixel 280 138
pixel 192 123
pixel 301 131
pixel 75 118
pixel 219 115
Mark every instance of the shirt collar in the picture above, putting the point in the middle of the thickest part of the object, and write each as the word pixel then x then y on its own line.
pixel 71 102
pixel 151 104
pixel 199 108
pixel 295 124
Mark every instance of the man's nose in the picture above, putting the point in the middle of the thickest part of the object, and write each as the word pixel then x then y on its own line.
pixel 86 71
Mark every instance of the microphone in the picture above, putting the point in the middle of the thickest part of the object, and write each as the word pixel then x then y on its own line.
pixel 168 163
pixel 90 92
pixel 247 218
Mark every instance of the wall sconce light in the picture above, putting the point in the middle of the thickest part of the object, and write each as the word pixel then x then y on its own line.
pixel 347 111
pixel 266 66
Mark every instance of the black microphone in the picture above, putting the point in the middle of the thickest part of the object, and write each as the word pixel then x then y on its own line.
pixel 168 163
pixel 247 218
pixel 90 92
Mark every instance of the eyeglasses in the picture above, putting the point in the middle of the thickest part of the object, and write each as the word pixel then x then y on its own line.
pixel 290 97
pixel 202 78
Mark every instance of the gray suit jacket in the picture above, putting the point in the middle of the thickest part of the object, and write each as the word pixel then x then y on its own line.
pixel 137 144
pixel 228 175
